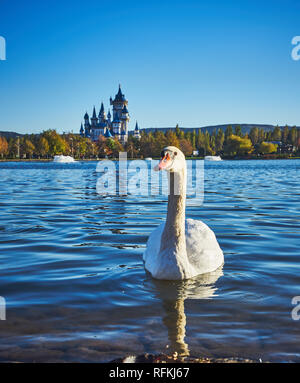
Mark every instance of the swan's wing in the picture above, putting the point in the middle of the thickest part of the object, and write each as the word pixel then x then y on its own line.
pixel 153 244
pixel 203 250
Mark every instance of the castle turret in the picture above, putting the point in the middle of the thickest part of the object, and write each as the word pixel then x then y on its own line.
pixel 107 133
pixel 94 119
pixel 102 116
pixel 125 114
pixel 86 119
pixel 120 113
pixel 81 132
pixel 87 124
pixel 136 133
pixel 108 116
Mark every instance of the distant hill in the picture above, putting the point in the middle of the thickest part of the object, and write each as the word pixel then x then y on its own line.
pixel 245 128
pixel 9 135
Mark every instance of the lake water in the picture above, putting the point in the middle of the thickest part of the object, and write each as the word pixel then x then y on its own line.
pixel 75 286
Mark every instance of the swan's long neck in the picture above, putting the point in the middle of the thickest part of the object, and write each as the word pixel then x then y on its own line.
pixel 174 231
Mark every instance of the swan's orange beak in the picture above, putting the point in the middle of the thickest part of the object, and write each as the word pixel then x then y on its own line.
pixel 163 163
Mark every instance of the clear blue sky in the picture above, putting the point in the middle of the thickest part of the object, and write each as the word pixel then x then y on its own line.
pixel 195 63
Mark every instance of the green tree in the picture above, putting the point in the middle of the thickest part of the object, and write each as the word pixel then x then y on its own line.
pixel 293 136
pixel 12 148
pixel 276 134
pixel 27 147
pixel 228 132
pixel 133 146
pixel 57 145
pixel 194 137
pixel 42 147
pixel 238 131
pixel 254 135
pixel 160 142
pixel 220 140
pixel 285 134
pixel 208 149
pixel 172 139
pixel 261 135
pixel 238 146
pixel 3 146
pixel 200 143
pixel 267 148
pixel 147 144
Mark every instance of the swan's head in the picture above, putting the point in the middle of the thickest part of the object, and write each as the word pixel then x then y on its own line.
pixel 172 159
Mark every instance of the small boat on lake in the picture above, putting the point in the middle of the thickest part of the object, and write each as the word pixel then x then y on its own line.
pixel 63 159
pixel 148 159
pixel 213 158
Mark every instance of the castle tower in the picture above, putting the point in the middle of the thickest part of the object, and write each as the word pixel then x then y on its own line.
pixel 116 126
pixel 87 125
pixel 136 133
pixel 120 115
pixel 124 128
pixel 94 119
pixel 109 116
pixel 102 115
pixel 81 130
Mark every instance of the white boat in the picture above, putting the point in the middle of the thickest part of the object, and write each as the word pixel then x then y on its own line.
pixel 61 158
pixel 148 159
pixel 213 158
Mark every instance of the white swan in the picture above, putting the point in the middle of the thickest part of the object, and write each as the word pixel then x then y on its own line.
pixel 179 248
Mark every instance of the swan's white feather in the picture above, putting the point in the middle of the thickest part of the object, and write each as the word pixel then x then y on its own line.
pixel 204 254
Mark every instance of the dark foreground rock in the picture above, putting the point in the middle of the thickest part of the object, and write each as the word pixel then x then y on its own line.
pixel 163 358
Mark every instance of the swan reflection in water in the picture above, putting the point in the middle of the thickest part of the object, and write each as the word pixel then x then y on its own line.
pixel 173 294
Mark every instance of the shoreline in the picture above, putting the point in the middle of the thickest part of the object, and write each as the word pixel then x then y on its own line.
pixel 130 159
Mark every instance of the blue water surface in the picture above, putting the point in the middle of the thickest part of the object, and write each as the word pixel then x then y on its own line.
pixel 72 274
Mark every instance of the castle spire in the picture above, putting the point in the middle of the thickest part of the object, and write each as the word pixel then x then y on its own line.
pixel 81 130
pixel 102 108
pixel 94 113
pixel 94 119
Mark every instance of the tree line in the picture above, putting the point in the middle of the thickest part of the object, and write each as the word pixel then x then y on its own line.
pixel 228 143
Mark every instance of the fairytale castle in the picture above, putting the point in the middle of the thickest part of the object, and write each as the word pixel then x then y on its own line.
pixel 105 126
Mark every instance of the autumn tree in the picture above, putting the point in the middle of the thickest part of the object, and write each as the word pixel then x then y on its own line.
pixel 267 148
pixel 42 147
pixel 276 134
pixel 57 145
pixel 172 139
pixel 27 147
pixel 238 146
pixel 186 147
pixel 160 142
pixel 12 148
pixel 3 146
